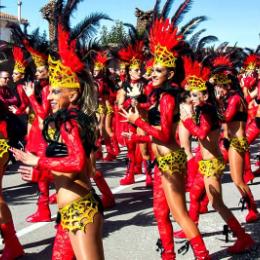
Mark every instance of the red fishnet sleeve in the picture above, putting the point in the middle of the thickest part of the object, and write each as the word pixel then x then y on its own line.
pixel 75 161
pixel 201 131
pixel 234 103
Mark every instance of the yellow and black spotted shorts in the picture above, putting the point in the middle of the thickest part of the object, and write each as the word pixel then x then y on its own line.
pixel 240 144
pixel 79 213
pixel 212 167
pixel 173 162
pixel 4 147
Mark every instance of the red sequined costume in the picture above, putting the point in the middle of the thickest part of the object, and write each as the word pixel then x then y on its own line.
pixel 12 247
pixel 133 56
pixel 35 141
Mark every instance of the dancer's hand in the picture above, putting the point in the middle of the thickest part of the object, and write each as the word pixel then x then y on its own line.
pixel 131 115
pixel 185 111
pixel 26 172
pixel 28 88
pixel 13 109
pixel 25 157
pixel 128 135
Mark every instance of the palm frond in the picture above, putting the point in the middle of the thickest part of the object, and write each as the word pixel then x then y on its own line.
pixel 88 27
pixel 181 11
pixel 189 27
pixel 167 8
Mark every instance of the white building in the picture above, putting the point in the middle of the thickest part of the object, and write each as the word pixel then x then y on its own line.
pixel 5 33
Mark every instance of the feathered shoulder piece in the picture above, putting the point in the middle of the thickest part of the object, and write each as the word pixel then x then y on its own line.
pixel 20 61
pixel 196 75
pixel 63 72
pixel 251 62
pixel 164 38
pixel 132 54
pixel 100 60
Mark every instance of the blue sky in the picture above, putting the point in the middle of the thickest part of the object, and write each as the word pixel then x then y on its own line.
pixel 229 20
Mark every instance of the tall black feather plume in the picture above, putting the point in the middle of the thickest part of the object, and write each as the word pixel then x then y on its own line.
pixel 68 10
pixel 156 9
pixel 188 28
pixel 166 8
pixel 17 34
pixel 179 14
pixel 195 38
pixel 206 40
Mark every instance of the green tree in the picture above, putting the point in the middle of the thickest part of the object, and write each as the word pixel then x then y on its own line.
pixel 116 35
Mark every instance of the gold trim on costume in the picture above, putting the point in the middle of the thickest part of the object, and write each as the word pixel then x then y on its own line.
pixel 196 84
pixel 101 109
pixel 240 144
pixel 109 109
pixel 19 67
pixel 31 117
pixel 212 167
pixel 4 147
pixel 79 213
pixel 164 57
pixel 173 162
pixel 62 76
pixel 135 63
pixel 221 79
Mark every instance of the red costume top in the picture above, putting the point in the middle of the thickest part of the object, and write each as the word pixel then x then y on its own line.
pixel 75 161
pixel 164 135
pixel 7 97
pixel 23 98
pixel 232 108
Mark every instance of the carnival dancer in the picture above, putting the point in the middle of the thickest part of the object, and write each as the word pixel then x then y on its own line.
pixel 169 174
pixel 12 247
pixel 128 95
pixel 194 180
pixel 251 86
pixel 70 134
pixel 233 108
pixel 206 126
pixel 16 131
pixel 19 79
pixel 37 93
pixel 106 98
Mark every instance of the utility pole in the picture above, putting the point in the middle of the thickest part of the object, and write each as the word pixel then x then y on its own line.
pixel 19 4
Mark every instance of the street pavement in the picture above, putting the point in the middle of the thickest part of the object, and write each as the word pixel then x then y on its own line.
pixel 130 231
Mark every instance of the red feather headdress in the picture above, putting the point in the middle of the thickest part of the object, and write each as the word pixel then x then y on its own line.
pixel 100 60
pixel 20 62
pixel 221 78
pixel 251 62
pixel 163 39
pixel 132 54
pixel 196 75
pixel 39 58
pixel 63 72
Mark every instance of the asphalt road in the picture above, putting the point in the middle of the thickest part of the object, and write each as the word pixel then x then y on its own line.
pixel 130 231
